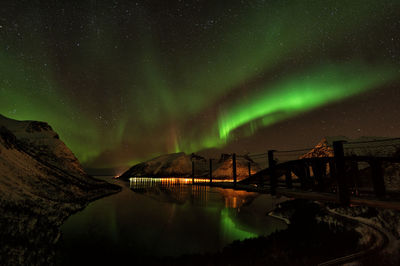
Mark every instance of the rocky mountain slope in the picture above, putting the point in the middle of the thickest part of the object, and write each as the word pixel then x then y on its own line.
pixel 225 167
pixel 365 146
pixel 180 165
pixel 168 165
pixel 41 184
pixel 322 149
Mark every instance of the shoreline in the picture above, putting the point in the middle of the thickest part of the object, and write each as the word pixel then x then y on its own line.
pixel 247 245
pixel 270 213
pixel 31 228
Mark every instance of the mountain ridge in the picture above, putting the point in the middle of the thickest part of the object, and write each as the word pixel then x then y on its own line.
pixel 41 184
pixel 180 165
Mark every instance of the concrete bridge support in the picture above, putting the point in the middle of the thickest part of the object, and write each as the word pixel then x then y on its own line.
pixel 234 169
pixel 377 178
pixel 192 172
pixel 273 177
pixel 338 150
pixel 319 170
pixel 210 170
pixel 288 178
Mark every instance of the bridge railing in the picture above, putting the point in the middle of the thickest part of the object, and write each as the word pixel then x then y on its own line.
pixel 346 168
pixel 359 168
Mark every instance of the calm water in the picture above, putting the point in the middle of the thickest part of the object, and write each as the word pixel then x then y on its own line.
pixel 163 217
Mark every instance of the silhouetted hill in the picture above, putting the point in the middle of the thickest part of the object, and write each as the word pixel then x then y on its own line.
pixel 41 184
pixel 180 165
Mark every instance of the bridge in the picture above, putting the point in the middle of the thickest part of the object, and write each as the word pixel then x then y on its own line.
pixel 360 173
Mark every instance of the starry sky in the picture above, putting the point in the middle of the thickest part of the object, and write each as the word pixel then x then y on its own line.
pixel 124 81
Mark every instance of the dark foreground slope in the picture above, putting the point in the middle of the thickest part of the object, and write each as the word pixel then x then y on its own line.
pixel 41 184
pixel 306 241
pixel 317 234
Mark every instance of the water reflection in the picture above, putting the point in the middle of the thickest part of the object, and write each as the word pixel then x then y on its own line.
pixel 168 181
pixel 164 217
pixel 236 198
pixel 182 190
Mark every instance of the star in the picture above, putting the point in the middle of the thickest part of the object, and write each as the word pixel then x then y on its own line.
pixel 245 75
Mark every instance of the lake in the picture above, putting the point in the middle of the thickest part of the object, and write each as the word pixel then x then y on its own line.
pixel 163 217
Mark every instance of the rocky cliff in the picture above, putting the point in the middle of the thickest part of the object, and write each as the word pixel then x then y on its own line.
pixel 168 165
pixel 180 165
pixel 41 184
pixel 225 167
pixel 365 146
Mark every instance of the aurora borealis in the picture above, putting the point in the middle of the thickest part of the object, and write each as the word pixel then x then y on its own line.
pixel 123 81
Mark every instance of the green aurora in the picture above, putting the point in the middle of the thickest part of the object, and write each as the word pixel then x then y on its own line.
pixel 301 93
pixel 123 84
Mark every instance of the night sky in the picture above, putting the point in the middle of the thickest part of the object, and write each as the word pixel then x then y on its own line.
pixel 124 81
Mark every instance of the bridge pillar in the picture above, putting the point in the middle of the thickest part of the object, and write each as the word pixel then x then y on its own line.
pixel 192 172
pixel 377 178
pixel 273 178
pixel 234 169
pixel 261 179
pixel 288 178
pixel 308 174
pixel 210 170
pixel 343 191
pixel 303 175
pixel 332 168
pixel 319 170
pixel 355 176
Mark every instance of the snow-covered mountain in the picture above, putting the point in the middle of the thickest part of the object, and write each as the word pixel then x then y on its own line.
pixel 180 165
pixel 365 146
pixel 41 183
pixel 225 167
pixel 167 165
pixel 322 149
